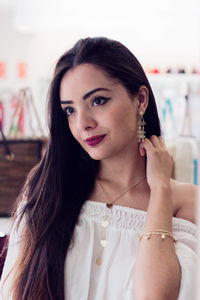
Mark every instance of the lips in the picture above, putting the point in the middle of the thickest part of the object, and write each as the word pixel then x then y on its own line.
pixel 93 138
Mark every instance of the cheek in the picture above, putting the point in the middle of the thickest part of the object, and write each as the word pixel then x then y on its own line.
pixel 124 122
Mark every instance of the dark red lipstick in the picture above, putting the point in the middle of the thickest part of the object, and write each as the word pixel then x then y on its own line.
pixel 95 140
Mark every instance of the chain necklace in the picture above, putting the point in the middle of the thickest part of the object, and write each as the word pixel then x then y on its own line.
pixel 105 223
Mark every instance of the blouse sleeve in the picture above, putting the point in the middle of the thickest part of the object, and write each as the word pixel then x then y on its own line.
pixel 11 257
pixel 186 250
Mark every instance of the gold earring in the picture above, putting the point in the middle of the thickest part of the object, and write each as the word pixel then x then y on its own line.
pixel 140 132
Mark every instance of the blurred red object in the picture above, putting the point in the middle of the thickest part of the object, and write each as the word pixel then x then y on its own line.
pixel 22 70
pixel 152 71
pixel 155 71
pixel 2 69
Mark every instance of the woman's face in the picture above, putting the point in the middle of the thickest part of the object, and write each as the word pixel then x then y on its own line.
pixel 109 111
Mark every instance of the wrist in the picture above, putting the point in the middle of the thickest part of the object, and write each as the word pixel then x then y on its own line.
pixel 162 195
pixel 161 185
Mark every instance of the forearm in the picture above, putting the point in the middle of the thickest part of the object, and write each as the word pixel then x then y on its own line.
pixel 157 271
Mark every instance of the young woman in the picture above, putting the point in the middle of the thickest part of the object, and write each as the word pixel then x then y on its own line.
pixel 99 217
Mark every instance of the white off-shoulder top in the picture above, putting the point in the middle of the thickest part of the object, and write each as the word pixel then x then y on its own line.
pixel 113 279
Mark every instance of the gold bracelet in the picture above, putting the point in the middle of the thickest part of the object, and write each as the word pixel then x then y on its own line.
pixel 163 234
pixel 161 230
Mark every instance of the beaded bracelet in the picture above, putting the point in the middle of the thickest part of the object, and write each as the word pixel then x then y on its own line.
pixel 163 234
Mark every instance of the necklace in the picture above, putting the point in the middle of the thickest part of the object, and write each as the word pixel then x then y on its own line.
pixel 105 223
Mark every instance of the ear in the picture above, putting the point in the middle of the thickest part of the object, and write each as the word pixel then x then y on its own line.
pixel 142 98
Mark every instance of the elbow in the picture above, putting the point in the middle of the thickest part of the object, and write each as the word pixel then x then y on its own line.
pixel 158 297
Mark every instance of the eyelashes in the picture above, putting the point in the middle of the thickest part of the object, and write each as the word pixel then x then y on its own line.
pixel 99 98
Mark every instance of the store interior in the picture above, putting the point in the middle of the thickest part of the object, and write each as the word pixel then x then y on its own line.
pixel 164 36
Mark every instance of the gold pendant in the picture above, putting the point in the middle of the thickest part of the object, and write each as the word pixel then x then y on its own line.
pixel 99 260
pixel 163 236
pixel 104 224
pixel 103 243
pixel 147 237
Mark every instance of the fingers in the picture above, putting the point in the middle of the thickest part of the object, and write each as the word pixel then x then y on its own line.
pixel 162 141
pixel 155 141
pixel 152 143
pixel 146 146
pixel 158 141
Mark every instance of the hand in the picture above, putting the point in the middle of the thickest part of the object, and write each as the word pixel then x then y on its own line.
pixel 159 162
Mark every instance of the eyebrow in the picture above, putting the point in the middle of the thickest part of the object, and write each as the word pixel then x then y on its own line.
pixel 86 95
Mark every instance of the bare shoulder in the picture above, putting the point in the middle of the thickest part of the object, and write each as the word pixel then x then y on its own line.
pixel 185 196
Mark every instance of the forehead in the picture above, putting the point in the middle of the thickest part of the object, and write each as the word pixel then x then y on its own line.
pixel 83 78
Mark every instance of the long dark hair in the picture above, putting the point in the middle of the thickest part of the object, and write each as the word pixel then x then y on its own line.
pixel 59 185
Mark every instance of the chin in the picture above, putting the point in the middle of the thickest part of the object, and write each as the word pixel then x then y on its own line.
pixel 99 156
pixel 96 157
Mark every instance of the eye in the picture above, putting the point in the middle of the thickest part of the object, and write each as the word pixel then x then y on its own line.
pixel 98 100
pixel 68 109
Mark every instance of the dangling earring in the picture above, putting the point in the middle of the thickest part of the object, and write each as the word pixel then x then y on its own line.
pixel 140 131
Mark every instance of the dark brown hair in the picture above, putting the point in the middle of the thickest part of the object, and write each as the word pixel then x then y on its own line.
pixel 59 185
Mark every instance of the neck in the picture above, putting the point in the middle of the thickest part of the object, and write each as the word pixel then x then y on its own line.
pixel 123 170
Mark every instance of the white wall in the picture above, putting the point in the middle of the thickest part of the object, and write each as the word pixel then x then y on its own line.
pixel 161 34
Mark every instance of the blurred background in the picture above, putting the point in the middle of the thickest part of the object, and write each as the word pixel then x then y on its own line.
pixel 163 35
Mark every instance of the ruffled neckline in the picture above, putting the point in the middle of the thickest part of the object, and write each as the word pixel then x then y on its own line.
pixel 130 218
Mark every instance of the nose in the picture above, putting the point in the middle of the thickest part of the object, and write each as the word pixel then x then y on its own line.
pixel 85 120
